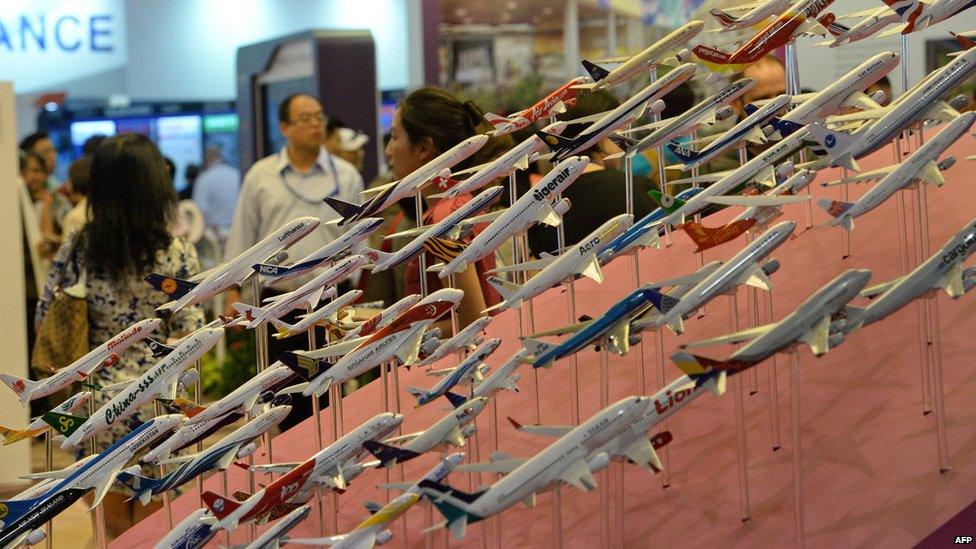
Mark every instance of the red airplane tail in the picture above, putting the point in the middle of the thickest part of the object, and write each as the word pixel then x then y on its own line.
pixel 723 18
pixel 711 55
pixel 496 120
pixel 707 237
pixel 219 505
pixel 964 41
pixel 827 20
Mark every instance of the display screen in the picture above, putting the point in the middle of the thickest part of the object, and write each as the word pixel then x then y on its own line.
pixel 180 138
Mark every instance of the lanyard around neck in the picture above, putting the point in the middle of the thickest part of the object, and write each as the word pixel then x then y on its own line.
pixel 302 197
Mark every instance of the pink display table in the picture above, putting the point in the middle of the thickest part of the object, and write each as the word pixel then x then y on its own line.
pixel 870 463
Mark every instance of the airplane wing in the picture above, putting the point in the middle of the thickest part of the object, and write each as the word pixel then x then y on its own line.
pixel 106 482
pixel 313 300
pixel 860 100
pixel 592 270
pixel 168 392
pixel 952 282
pixel 737 337
pixel 227 458
pixel 756 278
pixel 117 386
pixel 795 100
pixel 871 175
pixel 440 373
pixel 275 298
pixel 930 173
pixel 334 350
pixel 536 265
pixel 760 200
pixel 200 276
pixel 619 337
pixel 686 280
pixel 370 192
pixel 864 13
pixel 177 459
pixel 879 289
pixel 588 119
pixel 641 452
pixel 578 475
pixel 942 112
pixel 402 439
pixel 455 437
pixel 274 467
pixel 408 350
pixel 496 466
pixel 463 224
pixel 818 338
pixel 570 329
pixel 859 116
pixel 552 431
pixel 549 215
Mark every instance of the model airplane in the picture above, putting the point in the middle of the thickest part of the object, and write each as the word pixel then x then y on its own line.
pixel 800 19
pixel 268 382
pixel 383 260
pixel 921 101
pixel 613 326
pixel 324 469
pixel 453 429
pixel 470 370
pixel 331 252
pixel 160 379
pixel 919 15
pixel 668 50
pixel 619 117
pixel 465 339
pixel 381 320
pixel 188 435
pixel 324 316
pixel 564 461
pixel 761 210
pixel 106 354
pixel 375 529
pixel 577 260
pixel 554 103
pixel 761 166
pixel 517 158
pixel 535 206
pixel 504 377
pixel 646 232
pixel 742 268
pixel 401 339
pixel 218 457
pixel 751 14
pixel 707 111
pixel 943 270
pixel 210 283
pixel 809 323
pixel 38 426
pixel 872 21
pixel 748 129
pixel 22 516
pixel 921 166
pixel 307 295
pixel 193 532
pixel 409 185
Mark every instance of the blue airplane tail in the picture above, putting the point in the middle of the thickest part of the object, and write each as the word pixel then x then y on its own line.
pixel 453 504
pixel 661 302
pixel 173 287
pixel 345 209
pixel 18 508
pixel 388 455
pixel 686 155
pixel 455 399
pixel 784 127
pixel 595 71
pixel 142 487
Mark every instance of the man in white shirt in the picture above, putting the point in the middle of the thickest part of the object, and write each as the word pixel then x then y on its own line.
pixel 292 183
pixel 215 192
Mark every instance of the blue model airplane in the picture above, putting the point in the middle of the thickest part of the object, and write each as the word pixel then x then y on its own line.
pixel 643 233
pixel 613 325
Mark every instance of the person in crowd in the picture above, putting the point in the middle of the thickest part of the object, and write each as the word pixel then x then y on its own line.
pixel 190 175
pixel 33 197
pixel 132 203
pixel 428 122
pixel 40 142
pixel 91 144
pixel 600 192
pixel 215 191
pixel 770 76
pixel 289 184
pixel 352 145
pixel 79 177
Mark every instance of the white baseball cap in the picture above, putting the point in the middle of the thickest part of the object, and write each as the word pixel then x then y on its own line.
pixel 351 140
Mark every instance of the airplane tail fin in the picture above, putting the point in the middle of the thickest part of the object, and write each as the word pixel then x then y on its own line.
pixel 455 399
pixel 622 141
pixel 453 504
pixel 838 211
pixel 306 368
pixel 64 424
pixel 345 209
pixel 784 127
pixel 277 271
pixel 707 237
pixel 706 370
pixel 415 391
pixel 158 348
pixel 388 455
pixel 376 256
pixel 219 505
pixel 17 508
pixel 686 155
pixel 505 289
pixel 173 287
pixel 444 249
pixel 595 71
pixel 537 348
pixel 11 436
pixel 662 302
pixel 141 486
pixel 496 120
pixel 669 203
pixel 835 143
pixel 964 41
pixel 21 386
pixel 835 28
pixel 724 18
pixel 188 407
pixel 554 141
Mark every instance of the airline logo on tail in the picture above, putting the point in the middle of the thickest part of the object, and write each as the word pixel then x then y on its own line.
pixel 444 249
pixel 706 237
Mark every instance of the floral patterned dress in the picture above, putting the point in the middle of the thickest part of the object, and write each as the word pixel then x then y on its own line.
pixel 113 307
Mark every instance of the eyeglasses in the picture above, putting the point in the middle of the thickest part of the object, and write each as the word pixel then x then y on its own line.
pixel 307 118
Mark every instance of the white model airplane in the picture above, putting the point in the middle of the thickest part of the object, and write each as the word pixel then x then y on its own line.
pixel 305 296
pixel 577 260
pixel 331 252
pixel 381 320
pixel 160 379
pixel 38 426
pixel 270 380
pixel 106 354
pixel 383 260
pixel 668 50
pixel 535 206
pixel 401 338
pixel 872 21
pixel 321 317
pixel 210 283
pixel 923 101
pixel 469 371
pixel 742 17
pixel 296 486
pixel 463 340
pixel 453 429
pixel 920 166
